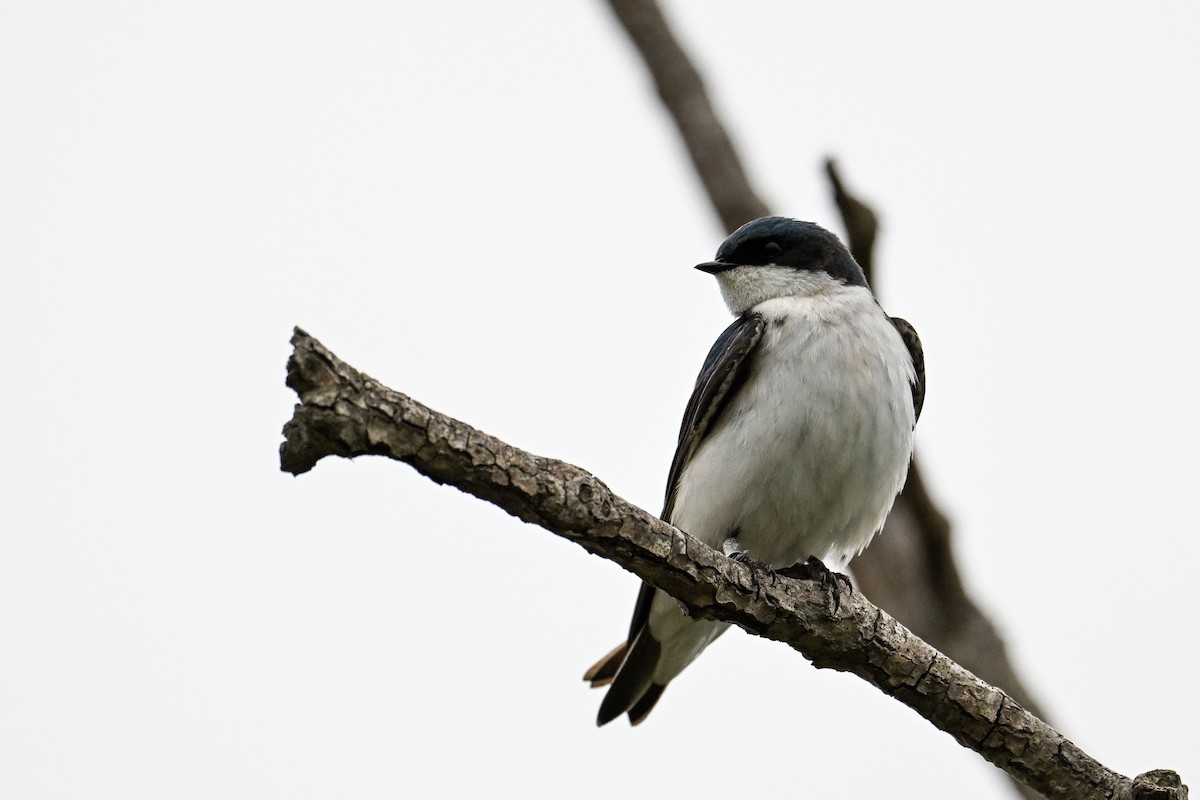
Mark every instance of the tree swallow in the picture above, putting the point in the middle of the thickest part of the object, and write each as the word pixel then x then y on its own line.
pixel 795 441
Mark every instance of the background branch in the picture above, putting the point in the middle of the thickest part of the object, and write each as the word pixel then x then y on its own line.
pixel 345 413
pixel 682 92
pixel 910 568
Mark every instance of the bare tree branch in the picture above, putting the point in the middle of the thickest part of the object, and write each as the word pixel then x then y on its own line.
pixel 682 92
pixel 345 413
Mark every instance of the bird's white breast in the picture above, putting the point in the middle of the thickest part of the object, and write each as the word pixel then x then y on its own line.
pixel 812 450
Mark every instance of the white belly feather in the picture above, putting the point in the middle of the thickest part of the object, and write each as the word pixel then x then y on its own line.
pixel 809 455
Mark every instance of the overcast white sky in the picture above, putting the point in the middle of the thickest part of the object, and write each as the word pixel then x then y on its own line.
pixel 481 204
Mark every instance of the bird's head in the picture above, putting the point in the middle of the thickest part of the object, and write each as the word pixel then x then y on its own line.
pixel 779 257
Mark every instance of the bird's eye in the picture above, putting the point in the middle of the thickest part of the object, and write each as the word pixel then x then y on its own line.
pixel 772 249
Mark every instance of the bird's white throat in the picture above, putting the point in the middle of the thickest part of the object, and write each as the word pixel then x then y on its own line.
pixel 745 287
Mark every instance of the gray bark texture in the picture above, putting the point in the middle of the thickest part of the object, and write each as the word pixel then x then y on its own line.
pixel 343 412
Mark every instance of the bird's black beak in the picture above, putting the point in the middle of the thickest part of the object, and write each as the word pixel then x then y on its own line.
pixel 714 267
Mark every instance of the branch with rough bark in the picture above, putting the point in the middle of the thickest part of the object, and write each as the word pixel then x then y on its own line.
pixel 343 412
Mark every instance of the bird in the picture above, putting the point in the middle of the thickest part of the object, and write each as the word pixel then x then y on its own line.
pixel 795 441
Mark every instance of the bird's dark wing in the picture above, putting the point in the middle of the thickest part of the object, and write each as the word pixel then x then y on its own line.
pixel 722 375
pixel 913 342
pixel 628 670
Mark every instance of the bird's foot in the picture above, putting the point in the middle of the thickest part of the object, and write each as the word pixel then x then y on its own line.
pixel 744 557
pixel 814 569
pixel 732 548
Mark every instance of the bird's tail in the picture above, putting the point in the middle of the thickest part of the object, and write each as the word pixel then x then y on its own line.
pixel 628 671
pixel 604 670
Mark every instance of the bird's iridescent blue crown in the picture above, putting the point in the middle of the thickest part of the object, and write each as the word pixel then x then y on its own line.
pixel 785 242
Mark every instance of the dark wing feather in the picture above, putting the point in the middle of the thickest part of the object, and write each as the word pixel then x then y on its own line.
pixel 628 670
pixel 723 373
pixel 913 342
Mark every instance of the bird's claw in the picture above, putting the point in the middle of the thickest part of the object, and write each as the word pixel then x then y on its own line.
pixel 760 573
pixel 744 557
pixel 814 569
